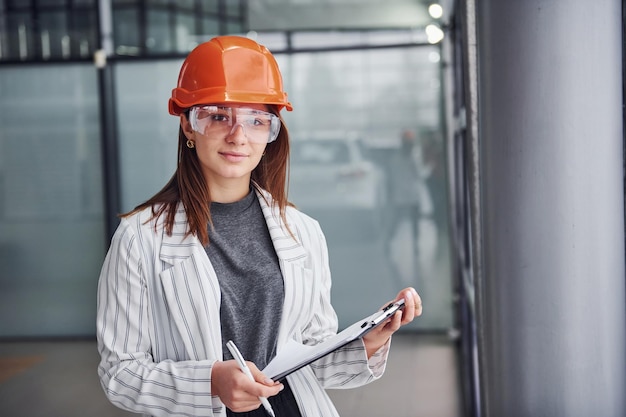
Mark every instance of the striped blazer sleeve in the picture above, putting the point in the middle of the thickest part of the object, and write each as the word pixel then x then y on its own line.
pixel 129 375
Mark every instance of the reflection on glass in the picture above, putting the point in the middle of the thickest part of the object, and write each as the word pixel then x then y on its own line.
pixel 367 162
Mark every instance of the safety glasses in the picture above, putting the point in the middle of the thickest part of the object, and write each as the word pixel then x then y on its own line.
pixel 219 121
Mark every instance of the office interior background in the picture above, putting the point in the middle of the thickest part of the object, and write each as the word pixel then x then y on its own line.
pixel 385 144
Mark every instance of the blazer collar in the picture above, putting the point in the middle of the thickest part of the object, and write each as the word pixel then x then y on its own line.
pixel 288 247
pixel 177 247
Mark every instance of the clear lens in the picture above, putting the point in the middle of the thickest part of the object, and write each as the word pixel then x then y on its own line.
pixel 217 121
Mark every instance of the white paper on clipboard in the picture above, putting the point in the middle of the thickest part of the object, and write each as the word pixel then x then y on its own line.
pixel 294 355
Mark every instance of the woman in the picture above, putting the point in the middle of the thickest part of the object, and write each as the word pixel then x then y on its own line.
pixel 219 254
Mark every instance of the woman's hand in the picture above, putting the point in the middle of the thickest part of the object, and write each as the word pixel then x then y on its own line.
pixel 412 308
pixel 236 390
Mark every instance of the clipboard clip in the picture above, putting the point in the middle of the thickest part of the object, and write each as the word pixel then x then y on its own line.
pixel 386 312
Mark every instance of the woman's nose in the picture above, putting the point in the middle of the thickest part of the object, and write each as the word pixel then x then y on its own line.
pixel 234 132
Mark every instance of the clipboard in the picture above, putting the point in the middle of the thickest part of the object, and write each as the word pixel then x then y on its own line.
pixel 294 355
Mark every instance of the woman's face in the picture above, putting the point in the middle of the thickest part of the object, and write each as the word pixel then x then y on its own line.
pixel 227 159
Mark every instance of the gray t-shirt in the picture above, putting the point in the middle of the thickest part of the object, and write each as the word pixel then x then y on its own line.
pixel 245 261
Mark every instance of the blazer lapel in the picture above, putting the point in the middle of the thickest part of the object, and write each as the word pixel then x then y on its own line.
pixel 292 259
pixel 191 292
pixel 287 248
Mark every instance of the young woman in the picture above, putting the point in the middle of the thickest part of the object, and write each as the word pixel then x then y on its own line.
pixel 219 254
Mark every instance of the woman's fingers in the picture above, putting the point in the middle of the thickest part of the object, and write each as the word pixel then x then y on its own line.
pixel 412 304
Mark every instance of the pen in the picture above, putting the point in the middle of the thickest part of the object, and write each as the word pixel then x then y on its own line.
pixel 244 368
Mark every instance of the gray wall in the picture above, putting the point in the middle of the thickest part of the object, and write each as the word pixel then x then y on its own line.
pixel 550 127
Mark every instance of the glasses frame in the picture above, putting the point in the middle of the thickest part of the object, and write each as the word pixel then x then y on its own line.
pixel 275 123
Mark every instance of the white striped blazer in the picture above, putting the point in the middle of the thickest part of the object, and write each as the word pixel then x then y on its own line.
pixel 158 316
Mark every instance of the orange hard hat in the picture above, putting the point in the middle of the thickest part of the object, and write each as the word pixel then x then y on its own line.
pixel 228 69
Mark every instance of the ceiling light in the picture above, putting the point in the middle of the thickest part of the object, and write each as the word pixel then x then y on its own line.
pixel 435 11
pixel 434 34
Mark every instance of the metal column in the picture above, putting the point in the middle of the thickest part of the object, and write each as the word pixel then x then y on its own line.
pixel 108 119
pixel 552 311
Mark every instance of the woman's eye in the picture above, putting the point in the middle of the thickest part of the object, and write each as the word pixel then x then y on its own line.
pixel 219 118
pixel 261 121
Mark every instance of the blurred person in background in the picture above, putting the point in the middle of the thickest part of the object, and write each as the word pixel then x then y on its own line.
pixel 220 254
pixel 408 196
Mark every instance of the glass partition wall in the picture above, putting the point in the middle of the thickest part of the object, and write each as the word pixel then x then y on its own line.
pixel 367 159
pixel 368 163
pixel 51 208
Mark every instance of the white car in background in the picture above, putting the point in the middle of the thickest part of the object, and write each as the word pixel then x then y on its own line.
pixel 331 180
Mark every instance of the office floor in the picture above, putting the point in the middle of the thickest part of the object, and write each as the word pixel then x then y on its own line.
pixel 58 379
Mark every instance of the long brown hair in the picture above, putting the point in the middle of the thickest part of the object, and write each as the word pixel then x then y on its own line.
pixel 188 185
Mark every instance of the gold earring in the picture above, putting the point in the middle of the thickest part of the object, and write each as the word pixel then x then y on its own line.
pixel 190 144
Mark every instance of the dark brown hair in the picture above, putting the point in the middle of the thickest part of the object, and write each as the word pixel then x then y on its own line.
pixel 188 185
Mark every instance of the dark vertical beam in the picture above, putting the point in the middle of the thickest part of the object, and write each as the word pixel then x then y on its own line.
pixel 36 31
pixel 221 13
pixel 624 102
pixel 70 28
pixel 464 183
pixel 108 119
pixel 4 30
pixel 553 319
pixel 198 19
pixel 142 26
pixel 472 199
pixel 243 15
pixel 173 11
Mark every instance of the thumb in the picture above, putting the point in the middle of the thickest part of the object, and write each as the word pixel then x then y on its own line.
pixel 260 376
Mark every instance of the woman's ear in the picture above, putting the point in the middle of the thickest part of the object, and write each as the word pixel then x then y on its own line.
pixel 185 125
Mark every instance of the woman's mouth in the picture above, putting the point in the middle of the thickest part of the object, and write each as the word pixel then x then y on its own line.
pixel 234 156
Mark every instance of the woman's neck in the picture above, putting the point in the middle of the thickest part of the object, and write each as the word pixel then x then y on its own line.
pixel 229 191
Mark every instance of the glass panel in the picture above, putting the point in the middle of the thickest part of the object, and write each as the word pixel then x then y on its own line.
pixel 186 4
pixel 55 41
pixel 51 209
pixel 210 28
pixel 126 31
pixel 186 38
pixel 211 6
pixel 233 8
pixel 84 37
pixel 274 41
pixel 397 37
pixel 234 28
pixel 20 34
pixel 326 39
pixel 368 163
pixel 159 34
pixel 148 133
